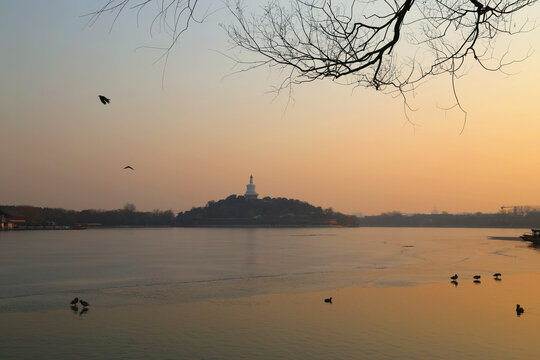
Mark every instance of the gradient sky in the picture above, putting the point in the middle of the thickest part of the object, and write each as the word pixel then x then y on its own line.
pixel 197 136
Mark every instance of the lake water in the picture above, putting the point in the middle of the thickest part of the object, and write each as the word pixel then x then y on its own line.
pixel 258 294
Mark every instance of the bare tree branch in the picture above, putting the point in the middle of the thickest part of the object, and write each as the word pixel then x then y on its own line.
pixel 393 44
pixel 387 45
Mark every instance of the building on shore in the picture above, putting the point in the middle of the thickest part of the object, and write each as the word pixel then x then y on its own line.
pixel 250 189
pixel 10 219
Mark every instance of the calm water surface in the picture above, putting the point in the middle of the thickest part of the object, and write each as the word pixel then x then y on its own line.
pixel 258 294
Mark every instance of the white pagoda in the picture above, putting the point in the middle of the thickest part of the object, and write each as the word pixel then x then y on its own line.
pixel 250 189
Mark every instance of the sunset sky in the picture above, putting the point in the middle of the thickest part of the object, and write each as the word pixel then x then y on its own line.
pixel 197 136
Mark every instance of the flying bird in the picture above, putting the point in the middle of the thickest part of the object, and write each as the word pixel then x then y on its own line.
pixel 128 167
pixel 104 100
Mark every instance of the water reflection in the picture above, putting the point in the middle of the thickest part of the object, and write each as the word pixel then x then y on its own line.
pixel 454 282
pixel 83 311
pixel 402 327
pixel 75 309
pixel 146 259
pixel 250 259
pixel 477 282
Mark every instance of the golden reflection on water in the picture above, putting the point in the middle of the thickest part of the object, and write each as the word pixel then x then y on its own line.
pixel 433 321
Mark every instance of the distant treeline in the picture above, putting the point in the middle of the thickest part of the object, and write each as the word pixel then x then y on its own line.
pixel 128 216
pixel 238 210
pixel 522 220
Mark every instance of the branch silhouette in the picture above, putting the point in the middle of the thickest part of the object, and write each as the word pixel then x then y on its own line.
pixel 386 45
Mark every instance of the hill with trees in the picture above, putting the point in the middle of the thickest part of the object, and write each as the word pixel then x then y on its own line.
pixel 241 211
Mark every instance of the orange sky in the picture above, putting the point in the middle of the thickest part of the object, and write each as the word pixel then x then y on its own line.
pixel 199 136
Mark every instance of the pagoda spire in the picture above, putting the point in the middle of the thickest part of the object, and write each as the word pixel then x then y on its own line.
pixel 250 189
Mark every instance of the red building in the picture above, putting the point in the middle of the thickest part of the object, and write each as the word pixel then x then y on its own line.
pixel 10 219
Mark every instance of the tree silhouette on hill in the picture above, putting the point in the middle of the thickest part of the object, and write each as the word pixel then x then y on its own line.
pixel 238 210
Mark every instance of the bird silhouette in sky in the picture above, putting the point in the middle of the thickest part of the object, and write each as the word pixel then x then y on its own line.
pixel 128 167
pixel 104 100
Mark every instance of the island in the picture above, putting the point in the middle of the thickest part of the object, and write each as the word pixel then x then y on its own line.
pixel 241 210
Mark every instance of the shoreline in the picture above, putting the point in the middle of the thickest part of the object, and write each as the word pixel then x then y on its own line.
pixel 232 226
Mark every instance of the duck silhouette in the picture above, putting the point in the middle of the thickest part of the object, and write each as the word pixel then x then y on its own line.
pixel 454 277
pixel 476 277
pixel 519 310
pixel 74 301
pixel 496 275
pixel 84 303
pixel 329 300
